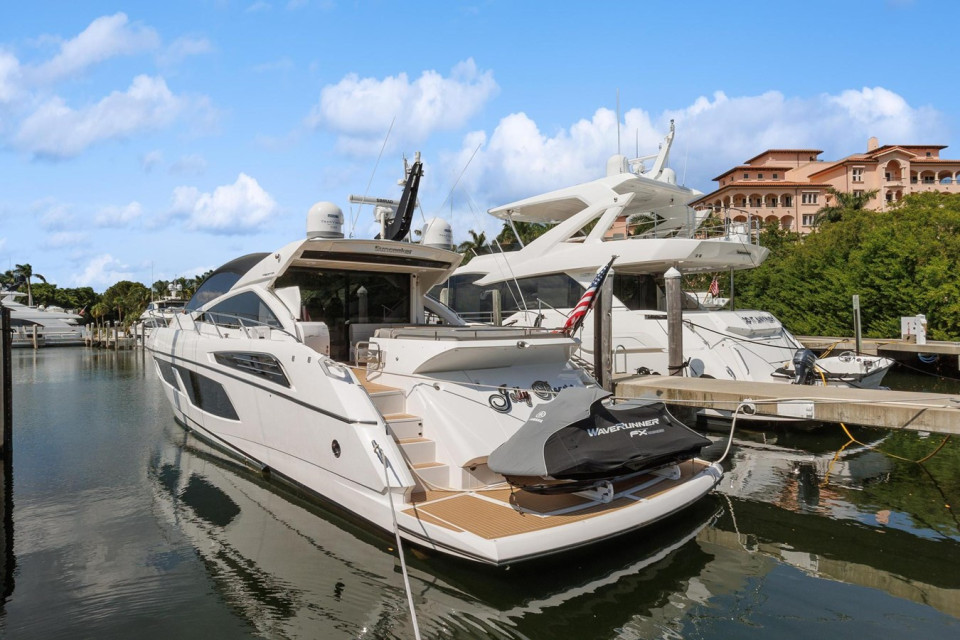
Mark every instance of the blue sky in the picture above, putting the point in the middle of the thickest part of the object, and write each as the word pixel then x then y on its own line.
pixel 151 140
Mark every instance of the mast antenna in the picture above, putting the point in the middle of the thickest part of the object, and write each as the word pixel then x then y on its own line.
pixel 618 121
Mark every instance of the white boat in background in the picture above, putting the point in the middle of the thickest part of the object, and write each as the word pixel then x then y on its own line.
pixel 326 364
pixel 159 313
pixel 641 217
pixel 53 325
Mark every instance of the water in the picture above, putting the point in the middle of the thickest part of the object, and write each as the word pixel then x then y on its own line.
pixel 126 527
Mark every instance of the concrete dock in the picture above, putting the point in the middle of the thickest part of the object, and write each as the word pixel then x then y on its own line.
pixel 915 411
pixel 895 348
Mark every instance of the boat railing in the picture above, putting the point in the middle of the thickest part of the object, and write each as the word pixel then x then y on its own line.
pixel 245 323
pixel 695 226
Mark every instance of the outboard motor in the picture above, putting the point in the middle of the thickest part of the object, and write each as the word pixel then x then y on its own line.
pixel 803 363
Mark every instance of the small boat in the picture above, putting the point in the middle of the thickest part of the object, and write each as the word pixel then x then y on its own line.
pixel 324 364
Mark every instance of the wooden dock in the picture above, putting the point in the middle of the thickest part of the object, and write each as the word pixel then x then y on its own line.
pixel 934 412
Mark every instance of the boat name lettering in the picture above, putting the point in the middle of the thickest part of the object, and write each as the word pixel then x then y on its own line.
pixel 640 428
pixel 381 249
pixel 767 319
pixel 543 390
pixel 503 400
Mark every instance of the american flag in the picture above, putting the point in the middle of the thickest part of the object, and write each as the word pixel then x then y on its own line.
pixel 714 289
pixel 575 319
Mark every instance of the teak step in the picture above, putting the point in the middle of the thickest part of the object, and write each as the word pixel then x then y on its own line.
pixel 388 402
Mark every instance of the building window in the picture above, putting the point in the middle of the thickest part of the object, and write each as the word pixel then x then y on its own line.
pixel 776 176
pixel 929 154
pixel 788 201
pixel 759 176
pixel 889 196
pixel 808 219
pixel 746 176
pixel 857 193
pixel 858 174
pixel 809 197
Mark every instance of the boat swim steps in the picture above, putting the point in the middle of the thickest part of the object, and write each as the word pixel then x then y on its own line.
pixel 404 425
pixel 418 450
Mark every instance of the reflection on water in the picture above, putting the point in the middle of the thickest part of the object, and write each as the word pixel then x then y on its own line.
pixel 126 526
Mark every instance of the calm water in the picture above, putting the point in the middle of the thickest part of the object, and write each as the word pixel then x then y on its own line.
pixel 125 527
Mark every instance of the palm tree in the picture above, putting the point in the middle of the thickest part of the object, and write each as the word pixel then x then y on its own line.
pixel 475 245
pixel 25 271
pixel 529 231
pixel 843 201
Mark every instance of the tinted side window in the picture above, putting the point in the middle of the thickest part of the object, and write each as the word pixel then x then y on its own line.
pixel 166 372
pixel 207 395
pixel 243 307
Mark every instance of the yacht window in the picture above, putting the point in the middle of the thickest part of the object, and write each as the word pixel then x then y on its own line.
pixel 638 291
pixel 223 279
pixel 166 372
pixel 206 394
pixel 341 298
pixel 559 291
pixel 243 307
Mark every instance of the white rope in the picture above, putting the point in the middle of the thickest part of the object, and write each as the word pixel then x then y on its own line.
pixel 396 532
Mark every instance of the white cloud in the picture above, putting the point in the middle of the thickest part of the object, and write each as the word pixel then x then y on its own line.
pixel 190 164
pixel 184 47
pixel 257 7
pixel 118 217
pixel 102 271
pixel 10 77
pixel 360 110
pixel 241 207
pixel 57 131
pixel 3 244
pixel 104 38
pixel 53 215
pixel 293 5
pixel 151 159
pixel 62 239
pixel 518 160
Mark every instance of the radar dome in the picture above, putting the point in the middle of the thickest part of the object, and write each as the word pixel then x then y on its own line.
pixel 437 233
pixel 325 220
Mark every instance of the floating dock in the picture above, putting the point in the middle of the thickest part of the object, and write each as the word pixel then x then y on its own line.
pixel 915 411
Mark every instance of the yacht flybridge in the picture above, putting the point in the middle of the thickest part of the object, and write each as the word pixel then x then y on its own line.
pixel 641 217
pixel 325 363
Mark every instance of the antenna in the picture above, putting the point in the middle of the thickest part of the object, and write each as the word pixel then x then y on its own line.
pixel 618 122
pixel 353 225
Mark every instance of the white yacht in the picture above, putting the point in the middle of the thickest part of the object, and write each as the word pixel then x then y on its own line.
pixel 159 312
pixel 641 217
pixel 53 326
pixel 325 363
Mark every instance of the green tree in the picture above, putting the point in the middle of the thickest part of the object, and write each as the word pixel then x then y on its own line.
pixel 25 271
pixel 529 231
pixel 475 245
pixel 129 299
pixel 901 262
pixel 843 202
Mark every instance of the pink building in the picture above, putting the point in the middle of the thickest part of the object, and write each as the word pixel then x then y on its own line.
pixel 789 186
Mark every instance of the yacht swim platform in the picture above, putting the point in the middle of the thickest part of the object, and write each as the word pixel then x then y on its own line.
pixel 502 512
